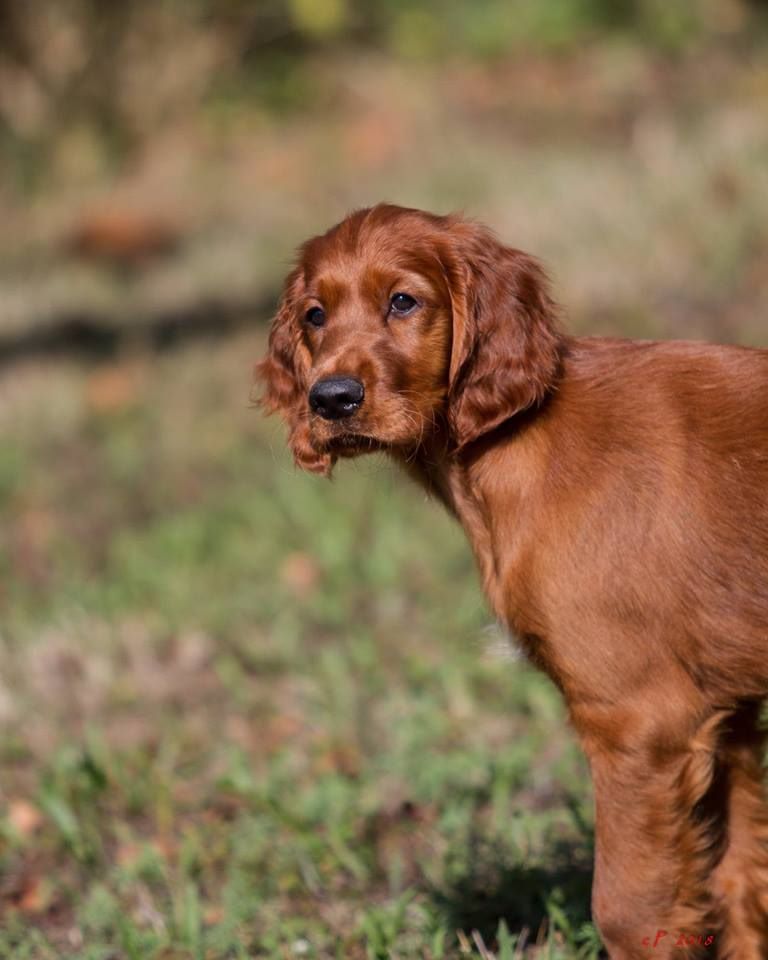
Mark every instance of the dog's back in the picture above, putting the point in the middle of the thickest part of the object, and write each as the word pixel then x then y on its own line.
pixel 651 510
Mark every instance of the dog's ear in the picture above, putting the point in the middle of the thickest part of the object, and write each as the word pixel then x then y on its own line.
pixel 280 369
pixel 284 374
pixel 506 346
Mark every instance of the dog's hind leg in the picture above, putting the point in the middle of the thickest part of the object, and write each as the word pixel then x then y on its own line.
pixel 740 880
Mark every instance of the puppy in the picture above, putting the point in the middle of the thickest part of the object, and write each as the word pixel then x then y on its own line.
pixel 615 495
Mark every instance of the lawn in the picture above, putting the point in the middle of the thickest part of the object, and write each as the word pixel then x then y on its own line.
pixel 250 713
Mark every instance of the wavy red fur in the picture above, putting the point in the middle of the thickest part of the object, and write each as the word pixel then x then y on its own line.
pixel 615 494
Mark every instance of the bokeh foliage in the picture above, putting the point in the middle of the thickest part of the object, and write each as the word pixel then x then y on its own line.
pixel 125 67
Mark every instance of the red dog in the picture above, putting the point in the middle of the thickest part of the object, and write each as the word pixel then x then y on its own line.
pixel 615 494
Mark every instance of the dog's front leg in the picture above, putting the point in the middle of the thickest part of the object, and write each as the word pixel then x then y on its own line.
pixel 657 840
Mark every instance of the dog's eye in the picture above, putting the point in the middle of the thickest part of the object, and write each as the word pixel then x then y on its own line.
pixel 315 316
pixel 402 303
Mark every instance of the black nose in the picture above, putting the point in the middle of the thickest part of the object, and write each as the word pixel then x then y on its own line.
pixel 336 397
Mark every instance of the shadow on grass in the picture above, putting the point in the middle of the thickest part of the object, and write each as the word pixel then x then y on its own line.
pixel 487 883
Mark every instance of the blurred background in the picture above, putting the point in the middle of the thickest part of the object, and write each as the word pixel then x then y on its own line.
pixel 245 712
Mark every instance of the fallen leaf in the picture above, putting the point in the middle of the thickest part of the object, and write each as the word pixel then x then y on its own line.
pixel 112 389
pixel 213 915
pixel 300 573
pixel 24 817
pixel 123 237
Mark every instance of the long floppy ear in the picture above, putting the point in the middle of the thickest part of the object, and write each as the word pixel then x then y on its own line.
pixel 283 372
pixel 506 345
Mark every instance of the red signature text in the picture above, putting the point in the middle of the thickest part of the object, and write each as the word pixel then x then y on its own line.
pixel 679 939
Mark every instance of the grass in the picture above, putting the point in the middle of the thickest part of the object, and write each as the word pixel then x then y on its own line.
pixel 247 713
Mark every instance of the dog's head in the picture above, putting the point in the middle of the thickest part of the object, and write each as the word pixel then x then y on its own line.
pixel 396 323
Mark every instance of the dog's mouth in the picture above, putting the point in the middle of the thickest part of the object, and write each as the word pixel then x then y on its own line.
pixel 349 444
pixel 344 438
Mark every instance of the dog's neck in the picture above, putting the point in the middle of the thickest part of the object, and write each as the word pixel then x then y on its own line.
pixel 456 482
pixel 496 471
